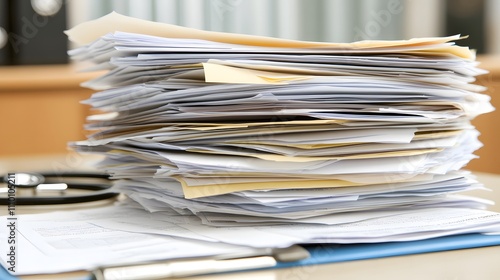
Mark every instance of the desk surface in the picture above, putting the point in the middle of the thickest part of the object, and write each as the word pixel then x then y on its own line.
pixel 481 263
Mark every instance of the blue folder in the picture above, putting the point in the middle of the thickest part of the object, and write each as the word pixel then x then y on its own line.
pixel 331 253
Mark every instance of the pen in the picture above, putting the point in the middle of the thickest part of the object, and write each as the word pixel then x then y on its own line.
pixel 198 266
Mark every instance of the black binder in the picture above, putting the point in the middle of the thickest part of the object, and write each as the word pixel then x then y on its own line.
pixel 36 36
pixel 467 18
pixel 4 33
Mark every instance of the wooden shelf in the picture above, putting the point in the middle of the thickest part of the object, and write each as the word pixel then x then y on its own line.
pixel 42 77
pixel 488 124
pixel 41 110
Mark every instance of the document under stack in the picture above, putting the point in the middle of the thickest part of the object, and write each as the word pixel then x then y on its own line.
pixel 287 141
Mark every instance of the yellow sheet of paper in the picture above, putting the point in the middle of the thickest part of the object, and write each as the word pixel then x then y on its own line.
pixel 215 126
pixel 217 73
pixel 436 134
pixel 210 190
pixel 278 158
pixel 281 69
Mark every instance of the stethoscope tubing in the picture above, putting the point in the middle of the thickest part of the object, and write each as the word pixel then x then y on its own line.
pixel 99 191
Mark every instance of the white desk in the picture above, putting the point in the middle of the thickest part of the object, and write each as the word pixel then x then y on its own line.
pixel 481 263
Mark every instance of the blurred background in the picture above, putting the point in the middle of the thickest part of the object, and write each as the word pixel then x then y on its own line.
pixel 39 87
pixel 316 20
pixel 313 20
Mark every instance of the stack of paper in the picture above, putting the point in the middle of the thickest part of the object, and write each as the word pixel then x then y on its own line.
pixel 242 130
pixel 224 142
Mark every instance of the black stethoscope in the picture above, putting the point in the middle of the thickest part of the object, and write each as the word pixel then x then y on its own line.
pixel 89 187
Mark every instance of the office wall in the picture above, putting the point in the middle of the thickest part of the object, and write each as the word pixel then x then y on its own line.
pixel 317 20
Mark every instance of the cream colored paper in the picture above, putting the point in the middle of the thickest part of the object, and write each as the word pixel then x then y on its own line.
pixel 87 32
pixel 210 190
pixel 282 158
pixel 217 73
